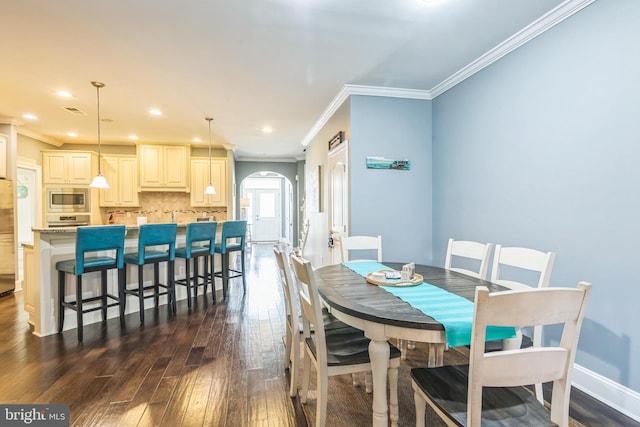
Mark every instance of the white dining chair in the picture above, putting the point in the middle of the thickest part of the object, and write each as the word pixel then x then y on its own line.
pixel 477 252
pixel 360 243
pixel 293 319
pixel 336 352
pixel 514 259
pixel 292 333
pixel 491 389
pixel 304 236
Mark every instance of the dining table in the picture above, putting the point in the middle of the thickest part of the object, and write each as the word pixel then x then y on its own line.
pixel 383 315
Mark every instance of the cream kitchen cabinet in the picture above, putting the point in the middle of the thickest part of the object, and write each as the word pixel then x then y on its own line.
pixel 200 180
pixel 121 173
pixel 163 167
pixel 68 167
pixel 3 156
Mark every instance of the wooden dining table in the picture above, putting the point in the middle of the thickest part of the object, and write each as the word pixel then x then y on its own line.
pixel 382 316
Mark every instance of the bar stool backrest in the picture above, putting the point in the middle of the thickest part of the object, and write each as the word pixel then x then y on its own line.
pixel 233 230
pixel 99 238
pixel 201 232
pixel 155 235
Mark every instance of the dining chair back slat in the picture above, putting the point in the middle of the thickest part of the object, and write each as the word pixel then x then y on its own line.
pixel 480 252
pixel 360 243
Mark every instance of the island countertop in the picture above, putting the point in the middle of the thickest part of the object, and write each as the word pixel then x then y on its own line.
pixel 60 230
pixel 53 244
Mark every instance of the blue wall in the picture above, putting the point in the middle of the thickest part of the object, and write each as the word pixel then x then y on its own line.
pixel 393 203
pixel 541 149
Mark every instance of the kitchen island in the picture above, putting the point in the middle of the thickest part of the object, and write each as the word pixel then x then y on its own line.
pixel 41 279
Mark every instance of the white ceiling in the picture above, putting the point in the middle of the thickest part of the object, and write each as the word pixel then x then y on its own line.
pixel 247 63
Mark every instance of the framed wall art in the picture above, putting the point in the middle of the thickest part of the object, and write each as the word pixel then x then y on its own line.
pixel 384 163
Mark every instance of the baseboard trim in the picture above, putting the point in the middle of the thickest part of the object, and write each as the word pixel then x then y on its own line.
pixel 609 392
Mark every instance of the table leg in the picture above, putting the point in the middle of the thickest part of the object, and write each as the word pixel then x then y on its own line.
pixel 379 355
pixel 394 413
pixel 436 355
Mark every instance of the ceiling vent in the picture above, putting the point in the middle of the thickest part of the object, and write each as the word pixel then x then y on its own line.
pixel 75 110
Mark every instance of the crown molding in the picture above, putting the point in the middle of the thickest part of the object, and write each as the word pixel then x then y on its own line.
pixel 326 115
pixel 547 21
pixel 26 132
pixel 266 159
pixel 389 92
pixel 348 90
pixel 6 120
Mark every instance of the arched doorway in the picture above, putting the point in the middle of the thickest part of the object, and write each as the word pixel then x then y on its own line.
pixel 266 203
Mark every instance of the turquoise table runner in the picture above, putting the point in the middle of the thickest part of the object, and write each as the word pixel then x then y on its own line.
pixel 453 311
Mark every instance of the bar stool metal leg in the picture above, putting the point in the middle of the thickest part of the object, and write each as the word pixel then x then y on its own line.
pixel 61 292
pixel 103 300
pixel 244 280
pixel 79 306
pixel 121 295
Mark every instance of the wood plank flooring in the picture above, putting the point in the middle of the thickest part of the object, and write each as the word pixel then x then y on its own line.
pixel 217 365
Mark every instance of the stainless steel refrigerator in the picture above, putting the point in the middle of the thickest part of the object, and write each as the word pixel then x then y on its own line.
pixel 7 238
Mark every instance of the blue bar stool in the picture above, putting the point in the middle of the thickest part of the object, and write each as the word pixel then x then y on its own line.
pixel 198 232
pixel 231 230
pixel 163 235
pixel 88 240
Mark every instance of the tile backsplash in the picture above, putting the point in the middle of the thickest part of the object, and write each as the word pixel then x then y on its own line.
pixel 159 207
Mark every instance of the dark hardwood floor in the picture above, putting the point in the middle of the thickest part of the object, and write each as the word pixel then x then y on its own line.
pixel 218 365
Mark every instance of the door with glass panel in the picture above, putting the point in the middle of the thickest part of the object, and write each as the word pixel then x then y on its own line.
pixel 267 215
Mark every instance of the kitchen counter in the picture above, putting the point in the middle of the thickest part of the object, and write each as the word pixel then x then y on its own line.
pixel 41 279
pixel 61 230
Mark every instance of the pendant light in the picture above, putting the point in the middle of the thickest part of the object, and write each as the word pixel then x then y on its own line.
pixel 210 189
pixel 99 181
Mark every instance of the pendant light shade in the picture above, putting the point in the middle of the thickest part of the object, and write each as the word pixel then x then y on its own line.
pixel 210 188
pixel 99 181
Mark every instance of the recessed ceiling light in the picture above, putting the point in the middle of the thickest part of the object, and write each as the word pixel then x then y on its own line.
pixel 133 137
pixel 30 116
pixel 72 134
pixel 267 129
pixel 63 93
pixel 155 112
pixel 197 139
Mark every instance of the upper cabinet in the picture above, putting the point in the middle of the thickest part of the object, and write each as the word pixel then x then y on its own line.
pixel 121 173
pixel 68 167
pixel 3 156
pixel 164 167
pixel 200 180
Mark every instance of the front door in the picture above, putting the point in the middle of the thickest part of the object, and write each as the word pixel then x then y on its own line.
pixel 267 215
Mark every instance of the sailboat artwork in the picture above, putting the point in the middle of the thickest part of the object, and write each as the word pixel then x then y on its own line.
pixel 383 163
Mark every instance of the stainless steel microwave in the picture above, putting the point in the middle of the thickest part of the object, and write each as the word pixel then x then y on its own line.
pixel 65 200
